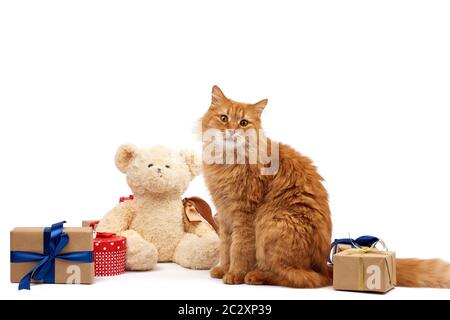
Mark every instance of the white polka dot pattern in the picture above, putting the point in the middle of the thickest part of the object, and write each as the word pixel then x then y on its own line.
pixel 109 263
pixel 109 254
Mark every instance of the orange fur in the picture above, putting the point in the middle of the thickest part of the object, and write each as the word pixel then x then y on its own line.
pixel 433 273
pixel 276 229
pixel 277 226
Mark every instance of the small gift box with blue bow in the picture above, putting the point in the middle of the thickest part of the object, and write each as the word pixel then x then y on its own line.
pixel 359 266
pixel 52 255
pixel 364 269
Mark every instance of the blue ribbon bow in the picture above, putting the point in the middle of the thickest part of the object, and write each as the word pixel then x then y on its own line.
pixel 55 239
pixel 363 241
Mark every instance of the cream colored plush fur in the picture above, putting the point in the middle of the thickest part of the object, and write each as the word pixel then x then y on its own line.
pixel 154 223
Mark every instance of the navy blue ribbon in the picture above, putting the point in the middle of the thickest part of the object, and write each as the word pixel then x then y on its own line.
pixel 363 241
pixel 55 239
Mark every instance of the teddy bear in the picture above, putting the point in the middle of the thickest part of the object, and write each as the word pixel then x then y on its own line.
pixel 154 223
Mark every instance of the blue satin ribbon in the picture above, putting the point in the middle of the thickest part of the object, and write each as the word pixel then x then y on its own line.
pixel 363 241
pixel 55 239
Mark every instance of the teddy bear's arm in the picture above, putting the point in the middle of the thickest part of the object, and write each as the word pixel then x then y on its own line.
pixel 118 219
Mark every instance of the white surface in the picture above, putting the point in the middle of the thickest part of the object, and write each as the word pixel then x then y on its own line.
pixel 361 87
pixel 170 281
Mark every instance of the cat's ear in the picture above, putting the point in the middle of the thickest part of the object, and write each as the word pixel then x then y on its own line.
pixel 260 105
pixel 217 96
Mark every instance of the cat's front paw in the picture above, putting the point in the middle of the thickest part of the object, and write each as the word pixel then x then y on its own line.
pixel 256 277
pixel 217 272
pixel 233 278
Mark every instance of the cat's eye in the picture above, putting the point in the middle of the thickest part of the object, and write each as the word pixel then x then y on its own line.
pixel 150 165
pixel 224 118
pixel 243 123
pixel 167 166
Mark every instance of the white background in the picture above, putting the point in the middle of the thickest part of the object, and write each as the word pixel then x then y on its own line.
pixel 362 87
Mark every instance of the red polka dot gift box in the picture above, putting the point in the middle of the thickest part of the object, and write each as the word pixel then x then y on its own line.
pixel 109 251
pixel 109 254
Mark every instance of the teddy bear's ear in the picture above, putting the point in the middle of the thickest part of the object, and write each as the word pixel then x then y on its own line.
pixel 193 161
pixel 124 155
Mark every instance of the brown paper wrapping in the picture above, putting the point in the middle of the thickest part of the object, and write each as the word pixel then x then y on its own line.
pixel 365 269
pixel 87 223
pixel 32 240
pixel 341 247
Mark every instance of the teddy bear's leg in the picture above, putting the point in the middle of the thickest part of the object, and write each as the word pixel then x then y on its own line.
pixel 141 254
pixel 196 252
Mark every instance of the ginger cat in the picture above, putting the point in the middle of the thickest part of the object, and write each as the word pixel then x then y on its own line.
pixel 275 228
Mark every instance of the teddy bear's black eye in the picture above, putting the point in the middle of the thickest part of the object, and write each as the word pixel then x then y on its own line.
pixel 150 165
pixel 167 166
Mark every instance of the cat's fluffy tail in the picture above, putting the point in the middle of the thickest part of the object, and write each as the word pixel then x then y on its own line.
pixel 433 273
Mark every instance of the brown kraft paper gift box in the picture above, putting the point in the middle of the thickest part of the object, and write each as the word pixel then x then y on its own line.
pixel 31 239
pixel 88 223
pixel 364 269
pixel 341 247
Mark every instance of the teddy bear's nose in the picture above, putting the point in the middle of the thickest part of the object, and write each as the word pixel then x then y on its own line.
pixel 159 170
